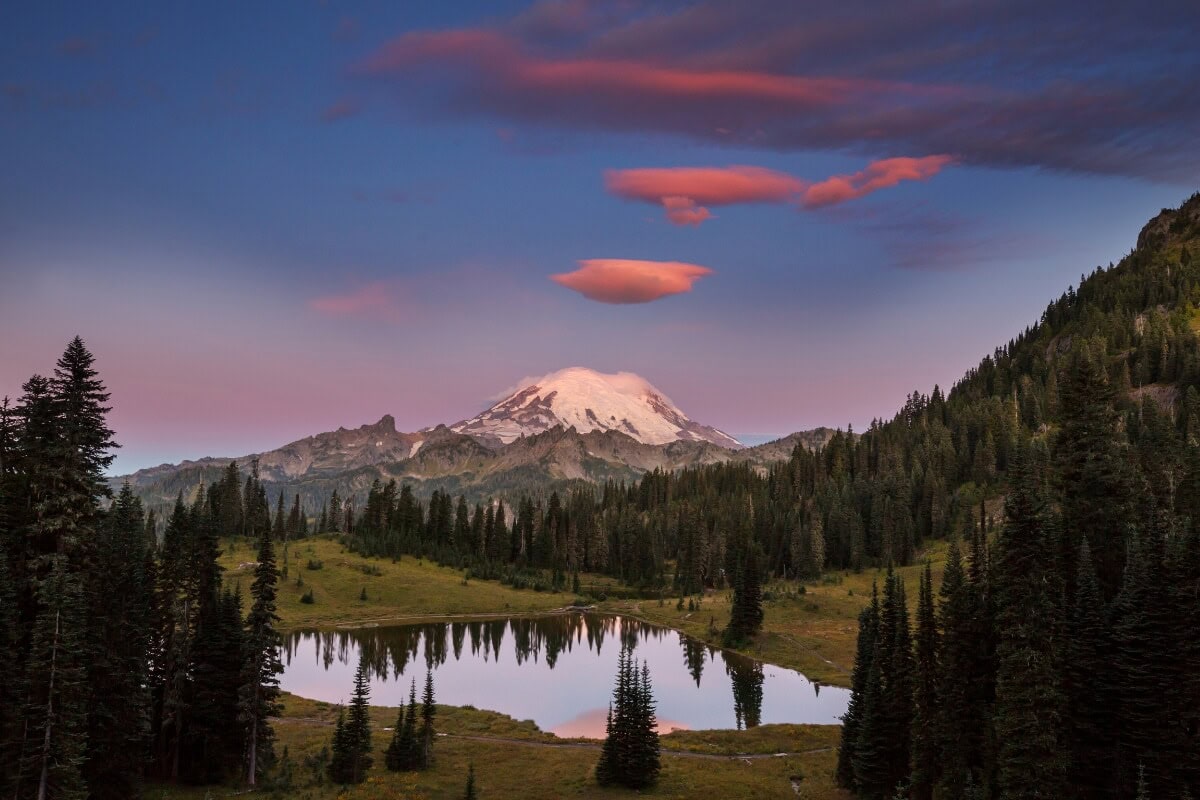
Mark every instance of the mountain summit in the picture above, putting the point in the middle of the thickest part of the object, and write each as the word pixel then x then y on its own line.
pixel 591 401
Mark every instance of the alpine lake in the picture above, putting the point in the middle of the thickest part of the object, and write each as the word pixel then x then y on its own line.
pixel 557 670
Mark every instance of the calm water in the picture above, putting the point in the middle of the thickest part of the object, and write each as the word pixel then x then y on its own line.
pixel 558 671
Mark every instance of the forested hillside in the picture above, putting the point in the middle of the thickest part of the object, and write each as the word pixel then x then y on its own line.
pixel 1060 658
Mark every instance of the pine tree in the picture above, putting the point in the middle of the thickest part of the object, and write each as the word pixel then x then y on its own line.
pixel 1088 686
pixel 358 725
pixel 871 754
pixel 213 737
pixel 961 719
pixel 428 715
pixel 648 762
pixel 53 746
pixel 10 693
pixel 1089 467
pixel 119 632
pixel 926 759
pixel 1143 628
pixel 340 755
pixel 1029 705
pixel 399 755
pixel 746 613
pixel 630 754
pixel 868 627
pixel 260 685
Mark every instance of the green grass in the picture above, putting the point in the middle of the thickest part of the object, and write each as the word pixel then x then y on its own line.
pixel 406 590
pixel 814 632
pixel 512 760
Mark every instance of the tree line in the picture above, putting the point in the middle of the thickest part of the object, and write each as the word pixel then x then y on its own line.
pixel 124 656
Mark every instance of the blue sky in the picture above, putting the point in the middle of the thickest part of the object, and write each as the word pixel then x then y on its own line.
pixel 273 219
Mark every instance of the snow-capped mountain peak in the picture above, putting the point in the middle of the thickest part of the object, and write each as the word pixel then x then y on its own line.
pixel 588 400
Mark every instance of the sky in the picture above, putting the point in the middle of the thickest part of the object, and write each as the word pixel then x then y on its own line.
pixel 269 220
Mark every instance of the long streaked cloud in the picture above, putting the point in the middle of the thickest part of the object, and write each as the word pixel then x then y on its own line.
pixel 686 193
pixel 993 82
pixel 378 300
pixel 625 281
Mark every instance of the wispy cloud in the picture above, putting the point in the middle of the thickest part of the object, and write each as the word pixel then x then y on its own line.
pixel 378 300
pixel 992 82
pixel 687 192
pixel 624 281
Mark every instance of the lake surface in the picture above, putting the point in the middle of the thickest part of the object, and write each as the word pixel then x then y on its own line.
pixel 557 670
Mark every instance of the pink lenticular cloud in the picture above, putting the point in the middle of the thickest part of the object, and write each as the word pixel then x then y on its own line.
pixel 371 301
pixel 878 175
pixel 685 192
pixel 622 281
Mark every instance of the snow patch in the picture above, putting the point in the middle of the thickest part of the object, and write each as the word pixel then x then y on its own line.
pixel 588 401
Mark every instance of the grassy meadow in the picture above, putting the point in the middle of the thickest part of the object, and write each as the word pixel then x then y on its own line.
pixel 813 632
pixel 515 759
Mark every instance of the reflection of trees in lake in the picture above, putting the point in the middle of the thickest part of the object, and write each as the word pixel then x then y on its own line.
pixel 388 651
pixel 693 656
pixel 747 677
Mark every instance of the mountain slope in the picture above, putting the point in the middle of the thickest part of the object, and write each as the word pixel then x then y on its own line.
pixel 587 400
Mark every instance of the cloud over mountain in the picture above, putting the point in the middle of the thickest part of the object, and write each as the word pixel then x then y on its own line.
pixel 622 280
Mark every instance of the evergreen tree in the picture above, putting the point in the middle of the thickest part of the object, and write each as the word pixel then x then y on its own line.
pixel 1092 478
pixel 1088 686
pixel 400 754
pixel 259 692
pixel 1148 733
pixel 213 738
pixel 428 715
pixel 53 746
pixel 926 759
pixel 354 758
pixel 868 626
pixel 746 613
pixel 630 753
pixel 119 635
pixel 1029 704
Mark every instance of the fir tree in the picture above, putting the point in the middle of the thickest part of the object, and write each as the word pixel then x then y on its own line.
pixel 1029 705
pixel 400 752
pixel 868 626
pixel 260 685
pixel 53 746
pixel 119 632
pixel 926 759
pixel 630 753
pixel 1088 686
pixel 1089 467
pixel 746 613
pixel 428 715
pixel 351 752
